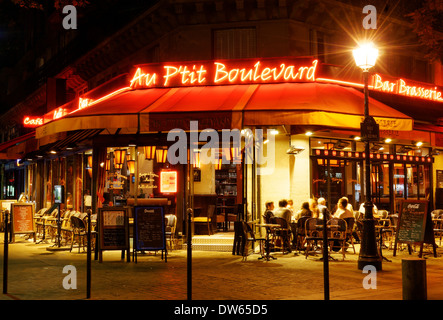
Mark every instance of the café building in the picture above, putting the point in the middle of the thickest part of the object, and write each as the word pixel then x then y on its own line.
pixel 257 65
pixel 298 137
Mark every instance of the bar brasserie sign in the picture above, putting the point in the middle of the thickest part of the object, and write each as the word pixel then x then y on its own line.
pixel 226 72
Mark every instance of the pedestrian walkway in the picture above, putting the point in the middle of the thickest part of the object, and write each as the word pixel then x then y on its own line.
pixel 37 274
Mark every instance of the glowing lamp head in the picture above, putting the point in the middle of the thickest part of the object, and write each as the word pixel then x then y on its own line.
pixel 365 56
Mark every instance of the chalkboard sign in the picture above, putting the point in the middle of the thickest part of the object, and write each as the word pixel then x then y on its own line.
pixel 149 229
pixel 114 228
pixel 414 225
pixel 412 221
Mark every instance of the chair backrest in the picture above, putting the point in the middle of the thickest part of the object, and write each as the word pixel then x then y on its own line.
pixel 211 210
pixel 301 225
pixel 267 216
pixel 281 221
pixel 311 224
pixel 311 227
pixel 338 224
pixel 77 222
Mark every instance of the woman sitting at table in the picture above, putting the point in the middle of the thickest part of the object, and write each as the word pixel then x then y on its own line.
pixel 304 211
pixel 342 212
pixel 313 206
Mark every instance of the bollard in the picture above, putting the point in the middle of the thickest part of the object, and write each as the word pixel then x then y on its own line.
pixel 189 211
pixel 5 255
pixel 414 279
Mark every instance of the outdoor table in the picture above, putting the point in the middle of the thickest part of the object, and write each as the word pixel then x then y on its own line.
pixel 271 226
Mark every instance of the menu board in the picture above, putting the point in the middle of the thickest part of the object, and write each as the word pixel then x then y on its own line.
pixel 22 218
pixel 149 225
pixel 412 221
pixel 114 229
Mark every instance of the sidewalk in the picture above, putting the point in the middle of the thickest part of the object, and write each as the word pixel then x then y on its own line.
pixel 37 274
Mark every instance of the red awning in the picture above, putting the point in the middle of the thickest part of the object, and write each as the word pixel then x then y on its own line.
pixel 231 106
pixel 428 127
pixel 13 142
pixel 214 107
pixel 318 104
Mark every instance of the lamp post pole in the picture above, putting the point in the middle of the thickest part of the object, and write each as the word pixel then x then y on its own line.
pixel 368 250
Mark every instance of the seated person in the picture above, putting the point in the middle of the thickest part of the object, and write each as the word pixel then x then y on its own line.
pixel 313 206
pixel 269 211
pixel 304 211
pixel 342 212
pixel 283 212
pixel 286 214
pixel 349 206
pixel 323 210
pixel 290 205
pixel 362 210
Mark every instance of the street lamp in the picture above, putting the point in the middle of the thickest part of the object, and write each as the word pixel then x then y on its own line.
pixel 365 57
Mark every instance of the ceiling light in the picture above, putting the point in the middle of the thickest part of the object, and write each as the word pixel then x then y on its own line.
pixel 387 140
pixel 274 131
pixel 357 138
pixel 309 133
pixel 419 144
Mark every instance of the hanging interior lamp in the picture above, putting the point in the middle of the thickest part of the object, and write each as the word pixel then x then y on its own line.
pixel 149 152
pixel 119 157
pixel 218 164
pixel 131 166
pixel 236 155
pixel 196 158
pixel 161 155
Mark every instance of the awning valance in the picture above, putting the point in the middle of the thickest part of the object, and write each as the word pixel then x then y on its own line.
pixel 231 106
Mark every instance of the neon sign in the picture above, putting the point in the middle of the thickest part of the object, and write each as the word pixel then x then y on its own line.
pixel 32 122
pixel 83 103
pixel 223 73
pixel 401 87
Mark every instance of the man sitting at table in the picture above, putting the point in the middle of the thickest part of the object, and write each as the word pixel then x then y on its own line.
pixel 342 212
pixel 283 212
pixel 268 213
